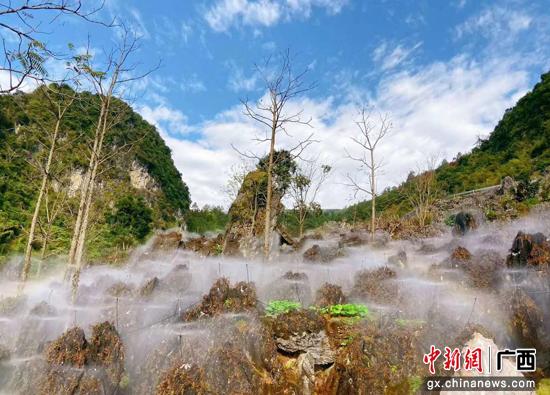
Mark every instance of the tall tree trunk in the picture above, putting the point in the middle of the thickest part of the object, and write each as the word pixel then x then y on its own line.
pixel 267 228
pixel 43 186
pixel 373 196
pixel 81 241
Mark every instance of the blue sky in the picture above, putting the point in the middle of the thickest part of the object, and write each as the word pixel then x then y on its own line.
pixel 443 70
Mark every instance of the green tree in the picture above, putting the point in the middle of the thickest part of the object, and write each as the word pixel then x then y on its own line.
pixel 131 217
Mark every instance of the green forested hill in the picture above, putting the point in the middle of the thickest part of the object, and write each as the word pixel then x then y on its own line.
pixel 133 145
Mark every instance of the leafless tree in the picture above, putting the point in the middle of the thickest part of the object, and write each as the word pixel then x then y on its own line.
pixel 237 174
pixel 20 29
pixel 304 189
pixel 282 85
pixel 59 102
pixel 372 131
pixel 106 83
pixel 422 190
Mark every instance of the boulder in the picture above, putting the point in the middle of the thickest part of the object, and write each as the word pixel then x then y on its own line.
pixel 247 215
pixel 222 298
pixel 76 366
pixel 147 289
pixel 354 238
pixel 399 259
pixel 329 294
pixel 302 331
pixel 529 250
pixel 464 223
pixel 376 286
pixel 167 241
pixel 324 254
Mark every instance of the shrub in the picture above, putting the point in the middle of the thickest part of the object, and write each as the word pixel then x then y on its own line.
pixel 276 307
pixel 346 310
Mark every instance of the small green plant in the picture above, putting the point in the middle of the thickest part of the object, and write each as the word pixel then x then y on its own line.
pixel 228 303
pixel 346 310
pixel 347 341
pixel 124 381
pixel 276 307
pixel 450 220
pixel 491 215
pixel 218 249
pixel 415 382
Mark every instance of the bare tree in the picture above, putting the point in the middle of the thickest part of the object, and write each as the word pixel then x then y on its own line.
pixel 304 189
pixel 422 191
pixel 372 131
pixel 106 83
pixel 283 85
pixel 59 101
pixel 20 28
pixel 237 175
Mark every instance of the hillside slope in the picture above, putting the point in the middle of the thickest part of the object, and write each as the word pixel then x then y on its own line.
pixel 139 188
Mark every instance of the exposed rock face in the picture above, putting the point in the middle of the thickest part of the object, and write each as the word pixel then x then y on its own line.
pixel 75 181
pixel 247 216
pixel 302 331
pixel 140 178
pixel 464 223
pixel 530 250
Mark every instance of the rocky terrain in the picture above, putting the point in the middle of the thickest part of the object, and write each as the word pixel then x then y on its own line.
pixel 342 314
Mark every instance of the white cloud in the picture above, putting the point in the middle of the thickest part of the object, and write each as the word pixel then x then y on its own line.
pixel 390 59
pixel 225 14
pixel 238 81
pixel 496 23
pixel 193 84
pixel 170 121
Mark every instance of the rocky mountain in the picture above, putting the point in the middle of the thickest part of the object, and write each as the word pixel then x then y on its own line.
pixel 139 188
